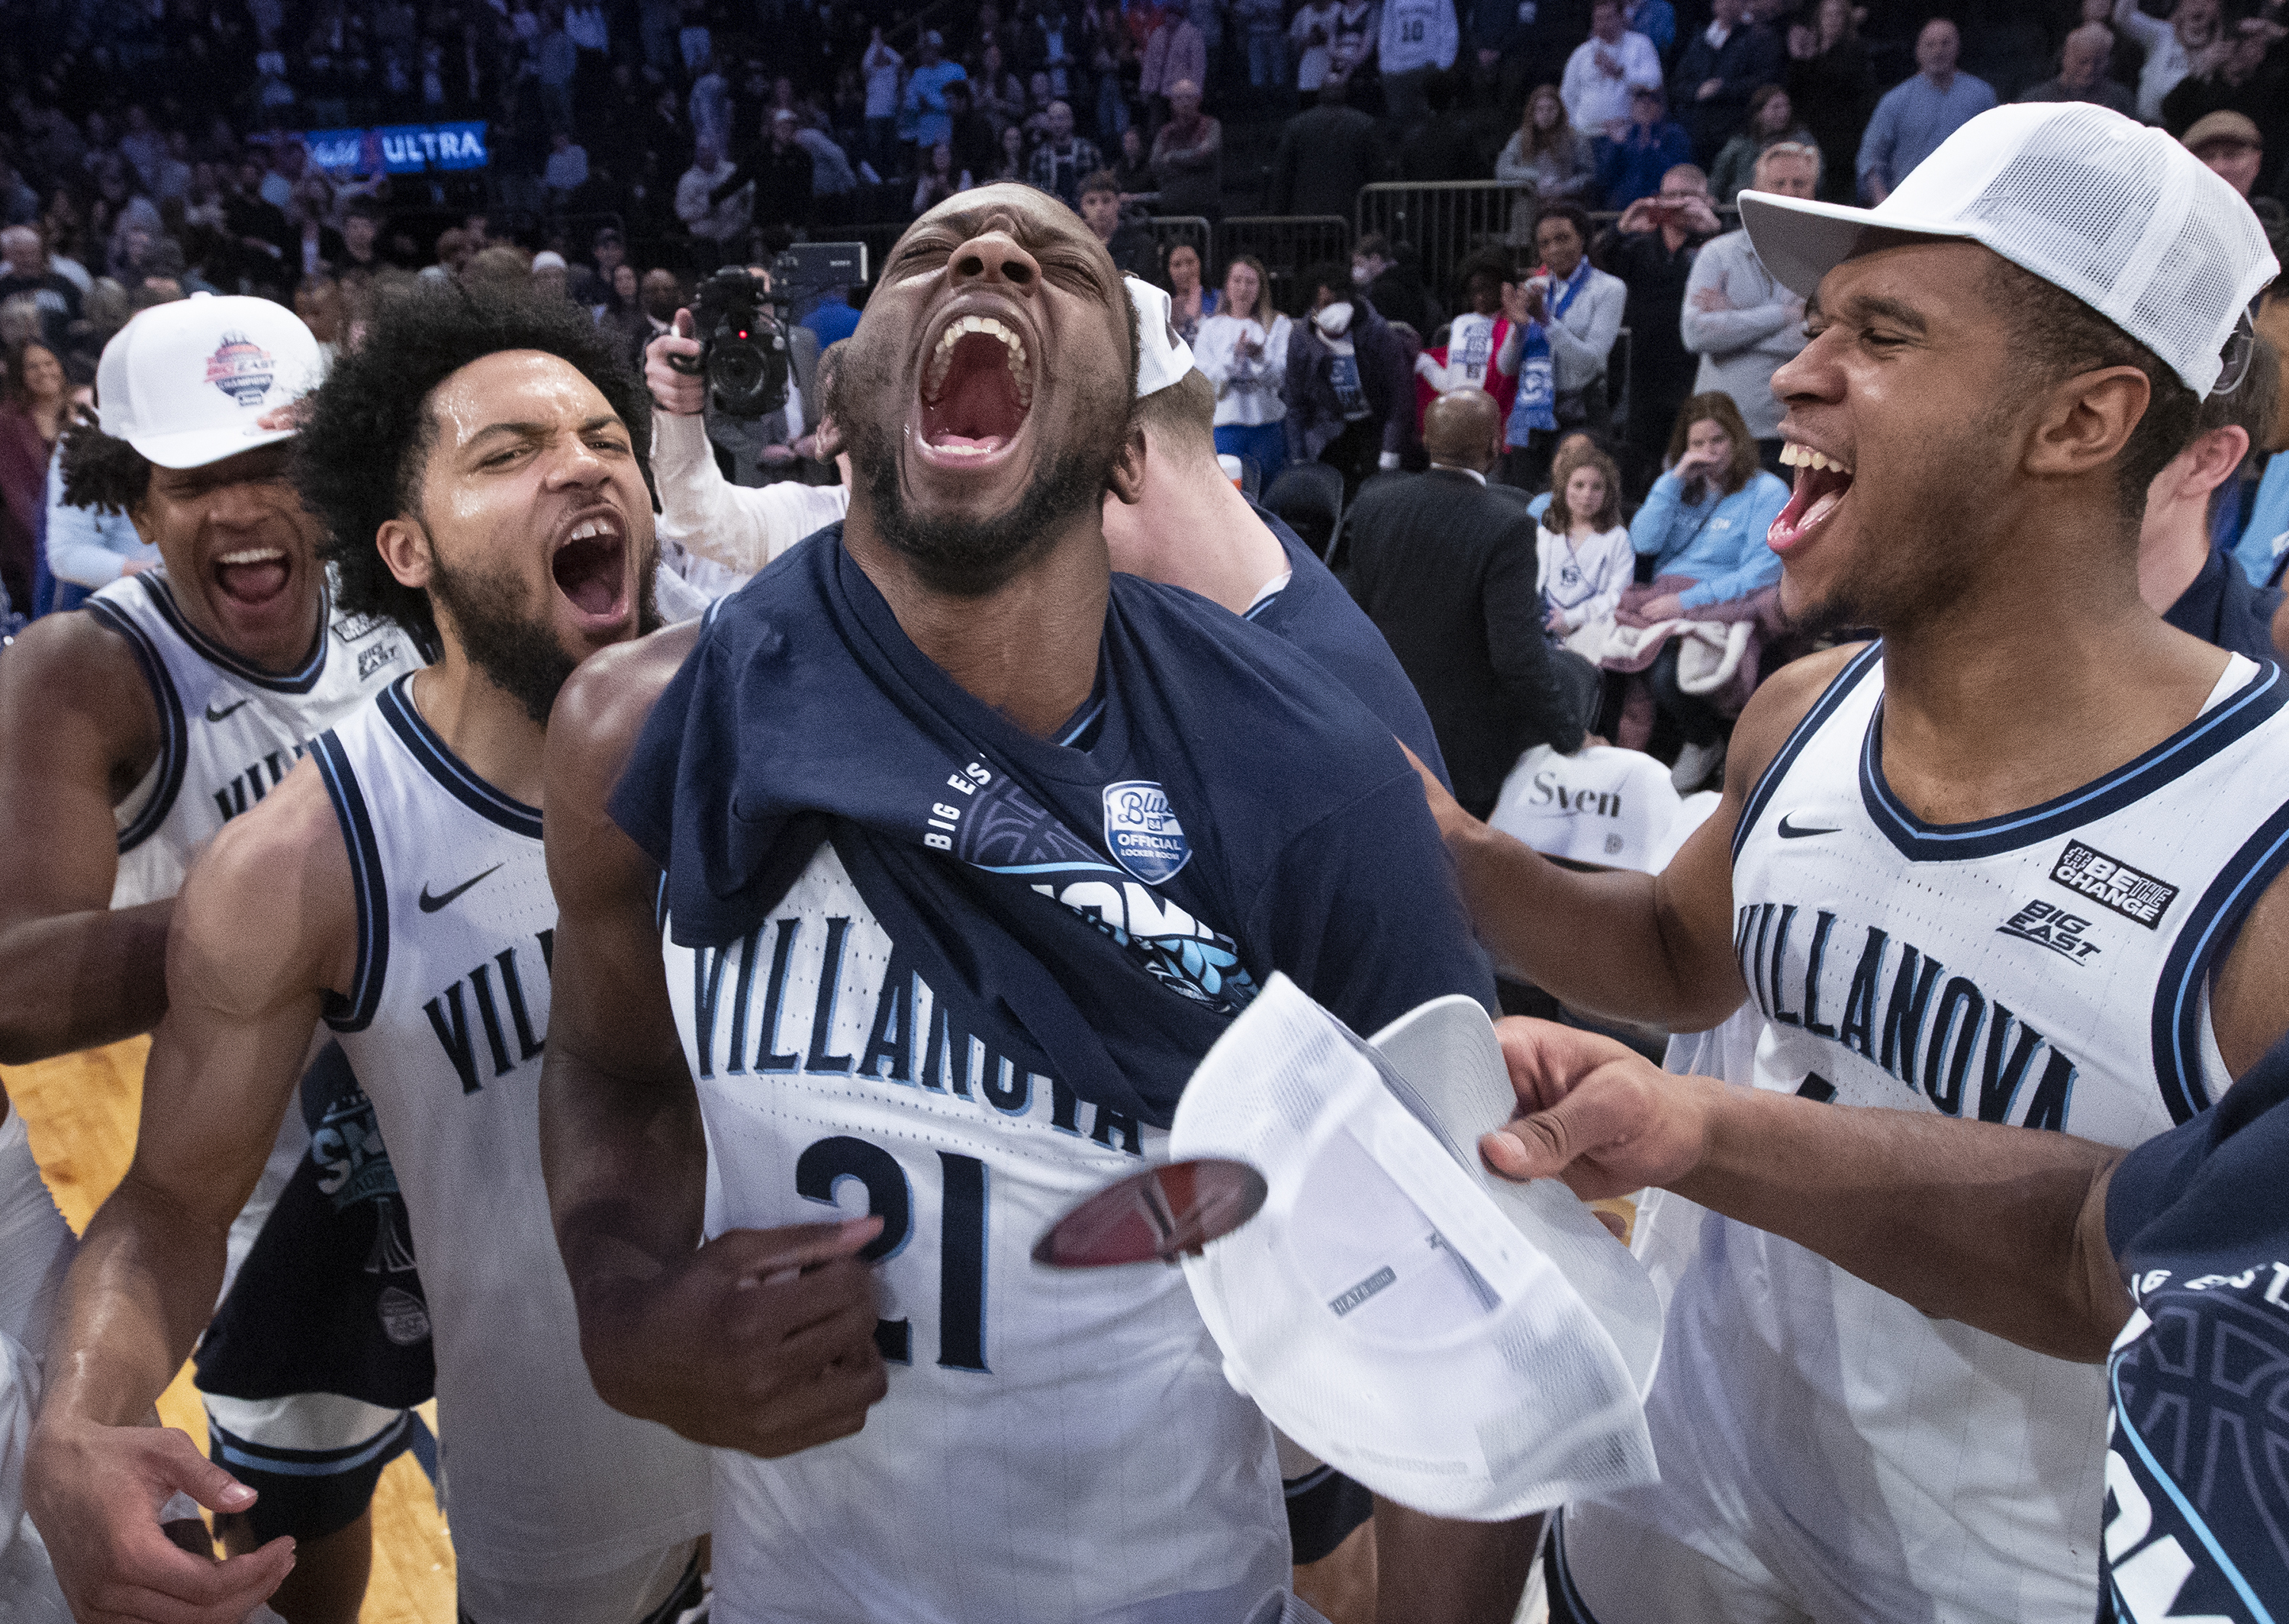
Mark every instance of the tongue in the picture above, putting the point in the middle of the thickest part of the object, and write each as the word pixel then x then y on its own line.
pixel 977 405
pixel 253 583
pixel 589 573
pixel 1818 492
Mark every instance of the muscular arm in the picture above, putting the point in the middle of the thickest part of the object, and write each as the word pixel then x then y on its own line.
pixel 1656 949
pixel 759 1339
pixel 78 727
pixel 265 923
pixel 2001 1229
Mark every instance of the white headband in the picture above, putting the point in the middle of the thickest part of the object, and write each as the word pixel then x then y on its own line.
pixel 1162 358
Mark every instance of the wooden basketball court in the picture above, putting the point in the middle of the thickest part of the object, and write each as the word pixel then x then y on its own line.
pixel 80 1111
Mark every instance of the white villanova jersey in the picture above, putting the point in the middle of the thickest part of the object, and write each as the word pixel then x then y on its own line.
pixel 444 1028
pixel 228 733
pixel 2048 969
pixel 1055 1447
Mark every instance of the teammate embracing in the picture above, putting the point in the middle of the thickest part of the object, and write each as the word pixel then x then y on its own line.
pixel 2017 862
pixel 479 464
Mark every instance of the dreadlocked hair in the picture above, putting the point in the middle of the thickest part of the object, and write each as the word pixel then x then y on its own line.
pixel 100 472
pixel 366 443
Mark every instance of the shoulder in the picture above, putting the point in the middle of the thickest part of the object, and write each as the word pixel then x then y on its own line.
pixel 72 664
pixel 286 850
pixel 603 706
pixel 1780 703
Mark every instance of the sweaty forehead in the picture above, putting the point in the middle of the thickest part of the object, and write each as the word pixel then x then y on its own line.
pixel 525 388
pixel 1034 220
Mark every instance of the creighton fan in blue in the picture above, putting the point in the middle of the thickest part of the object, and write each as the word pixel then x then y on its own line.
pixel 1219 808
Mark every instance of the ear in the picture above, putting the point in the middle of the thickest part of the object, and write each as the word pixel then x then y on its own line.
pixel 828 435
pixel 1125 480
pixel 2211 459
pixel 2086 421
pixel 406 549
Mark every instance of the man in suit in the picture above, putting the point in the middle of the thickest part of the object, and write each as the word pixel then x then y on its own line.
pixel 1718 69
pixel 1327 153
pixel 1445 568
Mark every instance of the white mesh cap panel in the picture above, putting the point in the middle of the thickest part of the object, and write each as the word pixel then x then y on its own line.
pixel 1383 1309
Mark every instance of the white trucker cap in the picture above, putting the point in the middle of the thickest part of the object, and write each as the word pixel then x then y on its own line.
pixel 1162 358
pixel 1464 1346
pixel 1602 805
pixel 2118 215
pixel 186 383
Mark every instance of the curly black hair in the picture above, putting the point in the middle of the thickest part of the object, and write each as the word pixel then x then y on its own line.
pixel 101 472
pixel 360 457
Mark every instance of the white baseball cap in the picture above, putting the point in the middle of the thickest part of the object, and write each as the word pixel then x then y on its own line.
pixel 2118 215
pixel 1602 805
pixel 186 383
pixel 1162 358
pixel 1462 1345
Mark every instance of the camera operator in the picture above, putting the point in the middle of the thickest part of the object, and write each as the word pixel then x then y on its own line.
pixel 705 515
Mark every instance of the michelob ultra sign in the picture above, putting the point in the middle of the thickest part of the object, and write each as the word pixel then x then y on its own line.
pixel 400 149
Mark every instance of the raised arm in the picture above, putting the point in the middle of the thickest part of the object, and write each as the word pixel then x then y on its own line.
pixel 77 728
pixel 760 1340
pixel 1655 949
pixel 265 923
pixel 2000 1227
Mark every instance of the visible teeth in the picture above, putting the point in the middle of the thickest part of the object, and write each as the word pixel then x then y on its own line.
pixel 594 527
pixel 1795 455
pixel 942 357
pixel 251 555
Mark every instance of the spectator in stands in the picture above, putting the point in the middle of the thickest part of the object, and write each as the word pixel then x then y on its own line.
pixel 1387 275
pixel 1917 113
pixel 1564 321
pixel 88 548
pixel 2174 49
pixel 995 90
pixel 549 273
pixel 1243 352
pixel 1263 27
pixel 879 66
pixel 922 108
pixel 621 312
pixel 1133 171
pixel 1832 82
pixel 1418 39
pixel 1631 165
pixel 1656 19
pixel 566 170
pixel 1012 167
pixel 1189 303
pixel 25 273
pixel 318 301
pixel 1475 339
pixel 2247 74
pixel 1604 71
pixel 361 222
pixel 1771 119
pixel 35 400
pixel 2194 584
pixel 1548 153
pixel 1351 397
pixel 1327 153
pixel 2082 72
pixel 1703 526
pixel 1739 319
pixel 940 179
pixel 1652 249
pixel 1586 559
pixel 1063 160
pixel 1447 570
pixel 1312 32
pixel 1176 54
pixel 2231 144
pixel 1129 243
pixel 1718 71
pixel 1352 45
pixel 976 148
pixel 719 226
pixel 1188 156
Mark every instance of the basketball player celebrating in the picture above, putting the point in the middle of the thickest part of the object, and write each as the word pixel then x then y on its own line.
pixel 130 733
pixel 971 847
pixel 479 465
pixel 1992 866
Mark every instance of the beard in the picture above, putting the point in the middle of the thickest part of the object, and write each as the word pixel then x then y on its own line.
pixel 517 650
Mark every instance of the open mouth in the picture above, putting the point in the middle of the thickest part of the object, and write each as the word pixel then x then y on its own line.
pixel 253 576
pixel 1820 483
pixel 977 388
pixel 590 568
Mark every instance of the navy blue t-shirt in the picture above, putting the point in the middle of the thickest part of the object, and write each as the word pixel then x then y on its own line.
pixel 2197 1465
pixel 2221 607
pixel 1101 912
pixel 1314 612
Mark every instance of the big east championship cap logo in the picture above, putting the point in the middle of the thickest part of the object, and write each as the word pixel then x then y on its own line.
pixel 240 369
pixel 1145 835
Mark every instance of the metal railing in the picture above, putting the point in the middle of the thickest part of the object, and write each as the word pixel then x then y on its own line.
pixel 1289 244
pixel 1447 220
pixel 1191 230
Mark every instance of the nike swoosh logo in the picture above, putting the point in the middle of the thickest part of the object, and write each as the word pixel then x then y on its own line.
pixel 215 715
pixel 1789 833
pixel 430 904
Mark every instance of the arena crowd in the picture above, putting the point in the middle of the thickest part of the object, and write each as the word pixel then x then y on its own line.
pixel 1685 428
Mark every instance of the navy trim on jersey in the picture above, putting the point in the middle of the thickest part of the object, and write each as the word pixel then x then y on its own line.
pixel 2157 1473
pixel 2225 724
pixel 2204 940
pixel 1558 1579
pixel 301 680
pixel 405 720
pixel 355 1013
pixel 238 1452
pixel 1769 783
pixel 174 755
